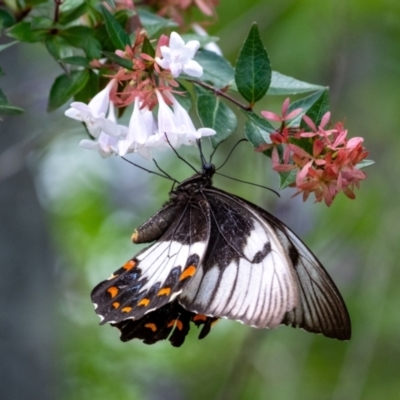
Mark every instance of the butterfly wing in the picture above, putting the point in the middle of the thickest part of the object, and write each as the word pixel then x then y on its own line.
pixel 156 275
pixel 246 274
pixel 321 308
pixel 158 325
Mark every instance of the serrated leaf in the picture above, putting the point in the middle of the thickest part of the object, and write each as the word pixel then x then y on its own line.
pixel 153 23
pixel 23 32
pixel 64 87
pixel 253 68
pixel 216 115
pixel 315 106
pixel 255 134
pixel 287 178
pixel 286 85
pixel 147 48
pixel 117 33
pixel 119 60
pixel 216 70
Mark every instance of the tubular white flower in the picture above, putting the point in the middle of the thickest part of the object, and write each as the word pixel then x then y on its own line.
pixel 106 144
pixel 178 57
pixel 141 127
pixel 94 113
pixel 187 132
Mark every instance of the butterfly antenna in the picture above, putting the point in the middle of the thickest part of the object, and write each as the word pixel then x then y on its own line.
pixel 212 154
pixel 250 183
pixel 230 153
pixel 164 175
pixel 203 159
pixel 177 154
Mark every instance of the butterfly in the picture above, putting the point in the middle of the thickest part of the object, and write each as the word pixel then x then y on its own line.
pixel 215 255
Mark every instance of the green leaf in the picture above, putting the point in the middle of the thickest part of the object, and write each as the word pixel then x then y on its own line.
pixel 6 108
pixel 73 14
pixel 117 33
pixel 64 87
pixel 6 46
pixel 58 47
pixel 253 68
pixel 76 60
pixel 23 32
pixel 216 115
pixel 315 106
pixel 82 37
pixel 260 121
pixel 90 89
pixel 41 23
pixel 216 70
pixel 286 85
pixel 255 134
pixel 6 19
pixel 147 48
pixel 153 23
pixel 287 178
pixel 111 3
pixel 1 71
pixel 123 62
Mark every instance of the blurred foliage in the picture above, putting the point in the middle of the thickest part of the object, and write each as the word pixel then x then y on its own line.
pixel 94 205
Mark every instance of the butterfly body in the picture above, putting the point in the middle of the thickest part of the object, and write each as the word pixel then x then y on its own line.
pixel 215 255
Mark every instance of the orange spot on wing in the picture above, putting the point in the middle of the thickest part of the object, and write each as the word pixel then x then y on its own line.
pixel 176 322
pixel 164 292
pixel 153 327
pixel 129 265
pixel 188 272
pixel 116 304
pixel 144 302
pixel 126 309
pixel 113 291
pixel 199 317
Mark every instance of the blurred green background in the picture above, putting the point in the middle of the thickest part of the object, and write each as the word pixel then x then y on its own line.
pixel 66 217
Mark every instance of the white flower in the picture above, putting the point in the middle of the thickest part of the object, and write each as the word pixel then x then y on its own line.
pixel 141 126
pixel 106 144
pixel 209 46
pixel 178 57
pixel 94 113
pixel 187 133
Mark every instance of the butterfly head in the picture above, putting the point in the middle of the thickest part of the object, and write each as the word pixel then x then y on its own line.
pixel 208 169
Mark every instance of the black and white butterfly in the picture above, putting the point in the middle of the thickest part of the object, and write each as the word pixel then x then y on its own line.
pixel 216 255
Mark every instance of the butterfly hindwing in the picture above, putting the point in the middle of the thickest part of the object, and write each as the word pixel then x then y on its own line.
pixel 156 275
pixel 246 274
pixel 321 308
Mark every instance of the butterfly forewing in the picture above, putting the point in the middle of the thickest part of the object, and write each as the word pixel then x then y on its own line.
pixel 157 274
pixel 246 274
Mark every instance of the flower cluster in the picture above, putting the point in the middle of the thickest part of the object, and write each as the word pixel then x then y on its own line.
pixel 324 160
pixel 150 82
